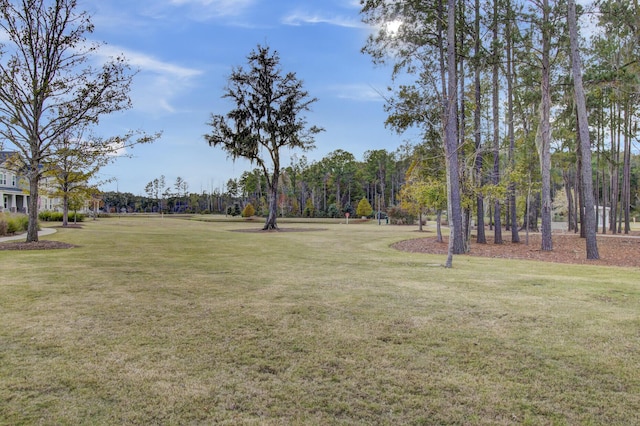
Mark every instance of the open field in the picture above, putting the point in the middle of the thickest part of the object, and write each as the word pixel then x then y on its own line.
pixel 175 321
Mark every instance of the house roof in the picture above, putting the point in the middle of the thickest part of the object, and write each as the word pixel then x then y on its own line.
pixel 5 155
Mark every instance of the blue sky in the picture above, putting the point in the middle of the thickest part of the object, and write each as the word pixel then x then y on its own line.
pixel 185 50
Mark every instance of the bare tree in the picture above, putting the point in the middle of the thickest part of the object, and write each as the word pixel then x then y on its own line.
pixel 46 86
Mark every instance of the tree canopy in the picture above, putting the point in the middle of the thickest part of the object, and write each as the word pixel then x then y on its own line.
pixel 268 116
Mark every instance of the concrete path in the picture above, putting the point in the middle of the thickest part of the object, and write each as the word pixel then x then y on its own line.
pixel 42 232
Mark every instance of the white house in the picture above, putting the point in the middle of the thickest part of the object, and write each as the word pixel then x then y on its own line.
pixel 14 190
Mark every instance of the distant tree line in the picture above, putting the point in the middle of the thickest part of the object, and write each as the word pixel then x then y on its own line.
pixel 404 184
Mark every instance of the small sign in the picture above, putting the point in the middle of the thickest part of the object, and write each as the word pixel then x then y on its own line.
pixel 347 216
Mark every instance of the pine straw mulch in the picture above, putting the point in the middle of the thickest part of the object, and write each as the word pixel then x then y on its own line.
pixel 614 250
pixel 41 244
pixel 38 245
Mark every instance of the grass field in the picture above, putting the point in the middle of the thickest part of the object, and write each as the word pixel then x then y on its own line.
pixel 176 321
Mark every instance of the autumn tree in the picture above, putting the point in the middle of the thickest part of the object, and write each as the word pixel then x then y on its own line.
pixel 46 86
pixel 364 208
pixel 267 117
pixel 424 45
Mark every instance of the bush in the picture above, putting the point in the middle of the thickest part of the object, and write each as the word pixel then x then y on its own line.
pixel 48 216
pixel 22 222
pixel 248 210
pixel 400 216
pixel 333 211
pixel 309 210
pixel 13 223
pixel 234 210
pixel 364 208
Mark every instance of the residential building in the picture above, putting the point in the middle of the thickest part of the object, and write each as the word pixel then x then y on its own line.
pixel 14 190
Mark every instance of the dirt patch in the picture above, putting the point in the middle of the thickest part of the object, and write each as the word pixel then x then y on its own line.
pixel 38 245
pixel 614 250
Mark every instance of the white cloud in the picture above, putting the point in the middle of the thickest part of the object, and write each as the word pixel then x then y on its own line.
pixel 158 83
pixel 358 92
pixel 205 9
pixel 300 18
pixel 148 63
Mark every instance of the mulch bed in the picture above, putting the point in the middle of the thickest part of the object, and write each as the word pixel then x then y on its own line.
pixel 614 250
pixel 38 245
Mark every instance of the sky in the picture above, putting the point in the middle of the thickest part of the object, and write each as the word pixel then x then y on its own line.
pixel 184 52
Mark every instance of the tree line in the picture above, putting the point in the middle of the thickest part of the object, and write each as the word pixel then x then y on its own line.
pixel 336 184
pixel 505 87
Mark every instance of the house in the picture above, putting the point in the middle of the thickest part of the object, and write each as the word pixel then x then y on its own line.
pixel 14 190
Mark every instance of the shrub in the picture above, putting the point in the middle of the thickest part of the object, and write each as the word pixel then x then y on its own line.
pixel 13 223
pixel 400 216
pixel 248 210
pixel 22 222
pixel 309 210
pixel 48 216
pixel 364 208
pixel 333 211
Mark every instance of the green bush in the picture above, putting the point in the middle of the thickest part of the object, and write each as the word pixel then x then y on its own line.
pixel 333 211
pixel 48 216
pixel 13 223
pixel 22 222
pixel 234 210
pixel 309 210
pixel 400 216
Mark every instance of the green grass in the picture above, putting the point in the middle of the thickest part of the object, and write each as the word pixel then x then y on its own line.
pixel 172 321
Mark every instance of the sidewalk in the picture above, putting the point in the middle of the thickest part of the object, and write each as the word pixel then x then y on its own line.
pixel 23 236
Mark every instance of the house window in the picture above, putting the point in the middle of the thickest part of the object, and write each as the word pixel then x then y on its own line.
pixel 3 179
pixel 13 180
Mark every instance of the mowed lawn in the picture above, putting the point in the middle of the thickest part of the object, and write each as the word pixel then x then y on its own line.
pixel 176 321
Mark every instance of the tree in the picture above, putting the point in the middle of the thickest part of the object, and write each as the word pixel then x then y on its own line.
pixel 181 186
pixel 155 188
pixel 248 210
pixel 425 45
pixel 456 237
pixel 46 88
pixel 583 137
pixel 267 117
pixel 77 160
pixel 364 208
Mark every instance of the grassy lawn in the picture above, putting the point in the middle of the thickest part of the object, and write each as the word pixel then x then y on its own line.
pixel 175 321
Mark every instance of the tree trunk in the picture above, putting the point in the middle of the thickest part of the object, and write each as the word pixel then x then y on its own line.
pixel 480 234
pixel 497 233
pixel 515 238
pixel 626 171
pixel 272 217
pixel 543 138
pixel 456 238
pixel 65 209
pixel 583 132
pixel 32 228
pixel 614 187
pixel 569 194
